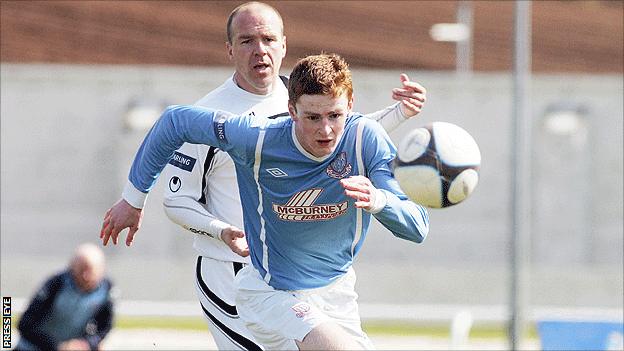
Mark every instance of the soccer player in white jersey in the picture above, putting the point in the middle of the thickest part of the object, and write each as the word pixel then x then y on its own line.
pixel 202 194
pixel 309 186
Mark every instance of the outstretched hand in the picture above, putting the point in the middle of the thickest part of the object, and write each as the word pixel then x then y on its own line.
pixel 412 96
pixel 118 218
pixel 235 239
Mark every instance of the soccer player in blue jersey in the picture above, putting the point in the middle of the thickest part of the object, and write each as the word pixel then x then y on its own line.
pixel 203 197
pixel 309 185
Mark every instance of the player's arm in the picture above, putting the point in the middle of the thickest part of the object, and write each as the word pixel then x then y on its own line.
pixel 188 176
pixel 185 190
pixel 379 193
pixel 177 125
pixel 411 98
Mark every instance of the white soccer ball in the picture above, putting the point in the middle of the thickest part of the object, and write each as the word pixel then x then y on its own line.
pixel 438 165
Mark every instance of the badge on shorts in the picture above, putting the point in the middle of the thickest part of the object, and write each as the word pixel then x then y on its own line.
pixel 301 309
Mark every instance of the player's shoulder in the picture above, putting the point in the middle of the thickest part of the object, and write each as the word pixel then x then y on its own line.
pixel 263 122
pixel 355 120
pixel 215 96
pixel 188 154
pixel 56 281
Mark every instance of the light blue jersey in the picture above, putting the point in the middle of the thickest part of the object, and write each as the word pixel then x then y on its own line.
pixel 303 231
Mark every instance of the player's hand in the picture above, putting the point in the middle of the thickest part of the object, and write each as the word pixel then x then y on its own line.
pixel 118 218
pixel 412 96
pixel 362 191
pixel 235 239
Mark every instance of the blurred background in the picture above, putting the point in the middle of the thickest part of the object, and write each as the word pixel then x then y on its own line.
pixel 81 82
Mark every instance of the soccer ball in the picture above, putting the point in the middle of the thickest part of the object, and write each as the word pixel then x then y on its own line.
pixel 438 165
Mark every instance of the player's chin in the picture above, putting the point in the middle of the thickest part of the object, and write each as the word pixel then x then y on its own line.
pixel 323 152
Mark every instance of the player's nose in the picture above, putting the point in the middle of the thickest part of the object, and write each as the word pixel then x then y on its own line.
pixel 325 129
pixel 260 47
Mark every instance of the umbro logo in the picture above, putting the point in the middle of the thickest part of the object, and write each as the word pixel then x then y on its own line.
pixel 276 172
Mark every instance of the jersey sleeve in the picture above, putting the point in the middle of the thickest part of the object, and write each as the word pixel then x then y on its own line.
pixel 177 125
pixel 402 217
pixel 389 118
pixel 186 190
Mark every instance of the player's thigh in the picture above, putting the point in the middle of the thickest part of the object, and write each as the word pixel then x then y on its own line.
pixel 275 317
pixel 339 302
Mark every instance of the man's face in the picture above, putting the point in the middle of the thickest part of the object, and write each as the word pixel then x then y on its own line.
pixel 87 275
pixel 257 49
pixel 319 122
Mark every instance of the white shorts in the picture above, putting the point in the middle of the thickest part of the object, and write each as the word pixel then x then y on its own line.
pixel 214 284
pixel 277 317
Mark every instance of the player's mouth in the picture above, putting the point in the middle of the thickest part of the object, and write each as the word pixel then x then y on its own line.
pixel 325 142
pixel 261 67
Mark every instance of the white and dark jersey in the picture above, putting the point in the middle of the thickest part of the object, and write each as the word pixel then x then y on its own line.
pixel 202 194
pixel 303 231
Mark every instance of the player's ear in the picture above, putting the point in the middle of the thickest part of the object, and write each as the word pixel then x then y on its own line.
pixel 293 111
pixel 350 103
pixel 284 47
pixel 228 47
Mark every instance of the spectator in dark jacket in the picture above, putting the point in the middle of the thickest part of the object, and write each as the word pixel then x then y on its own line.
pixel 73 310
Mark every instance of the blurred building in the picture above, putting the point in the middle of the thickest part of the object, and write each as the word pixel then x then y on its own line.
pixel 568 36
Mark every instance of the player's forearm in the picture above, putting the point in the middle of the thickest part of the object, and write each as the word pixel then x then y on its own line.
pixel 404 218
pixel 189 214
pixel 389 118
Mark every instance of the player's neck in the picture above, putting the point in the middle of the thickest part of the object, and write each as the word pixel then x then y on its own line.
pixel 241 83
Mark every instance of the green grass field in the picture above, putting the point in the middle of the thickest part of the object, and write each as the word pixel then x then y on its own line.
pixel 377 328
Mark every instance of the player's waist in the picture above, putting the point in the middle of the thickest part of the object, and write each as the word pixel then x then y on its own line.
pixel 343 279
pixel 297 277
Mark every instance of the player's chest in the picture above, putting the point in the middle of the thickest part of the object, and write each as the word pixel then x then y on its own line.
pixel 292 178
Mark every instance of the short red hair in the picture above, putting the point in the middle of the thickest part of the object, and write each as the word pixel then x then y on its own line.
pixel 324 74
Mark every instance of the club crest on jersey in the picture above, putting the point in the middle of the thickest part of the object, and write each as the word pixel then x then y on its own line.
pixel 301 208
pixel 339 167
pixel 182 161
